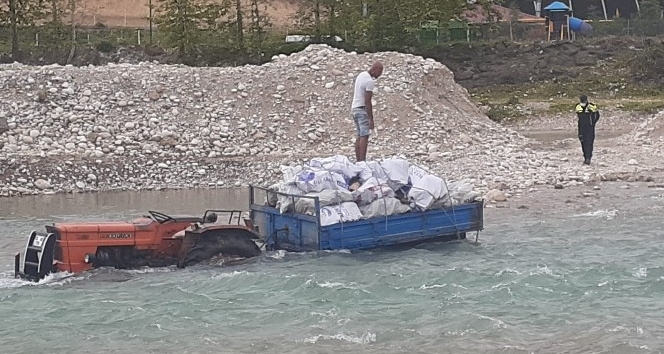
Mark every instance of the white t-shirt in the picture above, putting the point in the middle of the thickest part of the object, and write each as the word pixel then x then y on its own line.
pixel 363 83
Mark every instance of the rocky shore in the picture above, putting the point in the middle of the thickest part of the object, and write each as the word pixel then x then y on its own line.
pixel 151 126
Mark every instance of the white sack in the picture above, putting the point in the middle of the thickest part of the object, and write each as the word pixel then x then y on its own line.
pixel 370 191
pixel 427 190
pixel 345 212
pixel 318 180
pixel 416 173
pixel 377 171
pixel 289 173
pixel 461 192
pixel 285 203
pixel 271 199
pixel 339 164
pixel 384 207
pixel 396 171
pixel 325 198
pixel 365 171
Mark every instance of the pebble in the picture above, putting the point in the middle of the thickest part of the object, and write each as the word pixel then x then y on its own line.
pixel 157 126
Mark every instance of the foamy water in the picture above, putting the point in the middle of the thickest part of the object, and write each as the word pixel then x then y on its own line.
pixel 579 280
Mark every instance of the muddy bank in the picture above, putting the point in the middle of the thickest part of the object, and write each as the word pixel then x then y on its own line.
pixel 505 63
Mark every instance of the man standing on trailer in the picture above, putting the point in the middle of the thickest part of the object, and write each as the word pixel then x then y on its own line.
pixel 362 110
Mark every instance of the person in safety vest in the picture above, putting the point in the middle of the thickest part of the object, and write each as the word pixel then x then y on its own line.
pixel 588 115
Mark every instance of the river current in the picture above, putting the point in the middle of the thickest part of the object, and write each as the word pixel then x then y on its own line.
pixel 561 274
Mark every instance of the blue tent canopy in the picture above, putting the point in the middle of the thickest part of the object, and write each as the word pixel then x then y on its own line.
pixel 557 6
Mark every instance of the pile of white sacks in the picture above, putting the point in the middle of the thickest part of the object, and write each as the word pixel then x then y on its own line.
pixel 352 191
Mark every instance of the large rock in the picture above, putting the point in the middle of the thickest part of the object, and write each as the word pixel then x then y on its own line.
pixel 42 184
pixel 495 195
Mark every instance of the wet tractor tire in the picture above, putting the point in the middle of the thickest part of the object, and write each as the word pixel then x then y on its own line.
pixel 201 247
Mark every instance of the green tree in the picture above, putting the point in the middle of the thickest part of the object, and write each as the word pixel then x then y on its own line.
pixel 184 22
pixel 415 12
pixel 305 16
pixel 318 17
pixel 650 9
pixel 331 6
pixel 151 8
pixel 260 21
pixel 19 13
pixel 387 26
pixel 345 18
pixel 56 11
pixel 388 23
pixel 239 25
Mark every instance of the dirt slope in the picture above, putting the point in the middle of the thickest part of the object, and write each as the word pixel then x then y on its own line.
pixel 135 13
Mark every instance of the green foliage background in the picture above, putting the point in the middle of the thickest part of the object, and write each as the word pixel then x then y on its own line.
pixel 202 32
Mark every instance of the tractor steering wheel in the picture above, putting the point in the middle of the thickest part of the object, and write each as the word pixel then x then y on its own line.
pixel 160 217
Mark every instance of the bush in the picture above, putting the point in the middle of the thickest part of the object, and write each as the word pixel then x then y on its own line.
pixel 499 114
pixel 154 51
pixel 105 47
pixel 513 101
pixel 648 66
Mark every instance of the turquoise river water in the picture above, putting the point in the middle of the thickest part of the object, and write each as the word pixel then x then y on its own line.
pixel 565 274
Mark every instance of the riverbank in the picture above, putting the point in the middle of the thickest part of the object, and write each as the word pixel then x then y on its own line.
pixel 150 127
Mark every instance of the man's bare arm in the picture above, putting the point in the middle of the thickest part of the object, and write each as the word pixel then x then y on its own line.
pixel 369 107
pixel 367 103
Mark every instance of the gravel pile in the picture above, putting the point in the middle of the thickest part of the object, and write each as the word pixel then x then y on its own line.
pixel 153 126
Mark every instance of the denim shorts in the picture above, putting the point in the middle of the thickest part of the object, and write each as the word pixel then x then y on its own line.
pixel 361 119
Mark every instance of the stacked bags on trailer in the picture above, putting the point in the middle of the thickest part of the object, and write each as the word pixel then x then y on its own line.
pixel 352 191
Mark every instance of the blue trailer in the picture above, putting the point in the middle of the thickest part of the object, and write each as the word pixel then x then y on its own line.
pixel 300 232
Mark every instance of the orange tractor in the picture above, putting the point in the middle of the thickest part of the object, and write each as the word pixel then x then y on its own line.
pixel 154 240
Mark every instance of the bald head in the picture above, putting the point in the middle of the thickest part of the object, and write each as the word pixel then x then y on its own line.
pixel 376 70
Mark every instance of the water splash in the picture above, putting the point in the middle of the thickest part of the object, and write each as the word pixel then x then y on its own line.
pixel 543 269
pixel 148 270
pixel 365 338
pixel 496 323
pixel 341 251
pixel 434 286
pixel 328 313
pixel 333 285
pixel 232 274
pixel 7 280
pixel 602 213
pixel 631 330
pixel 276 254
pixel 508 271
pixel 339 285
pixel 641 273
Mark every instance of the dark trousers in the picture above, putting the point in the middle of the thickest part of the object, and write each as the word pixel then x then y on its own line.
pixel 587 136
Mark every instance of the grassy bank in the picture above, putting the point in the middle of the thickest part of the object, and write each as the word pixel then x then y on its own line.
pixel 616 91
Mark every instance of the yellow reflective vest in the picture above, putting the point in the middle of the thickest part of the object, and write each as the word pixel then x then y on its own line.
pixel 590 112
pixel 591 108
